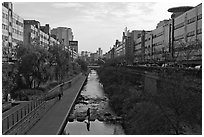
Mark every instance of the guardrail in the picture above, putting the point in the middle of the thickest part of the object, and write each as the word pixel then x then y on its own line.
pixel 20 121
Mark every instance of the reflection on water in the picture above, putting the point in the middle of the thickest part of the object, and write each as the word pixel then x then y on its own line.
pixel 96 128
pixel 93 89
pixel 92 96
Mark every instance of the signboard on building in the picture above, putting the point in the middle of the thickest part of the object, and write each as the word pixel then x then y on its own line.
pixel 74 45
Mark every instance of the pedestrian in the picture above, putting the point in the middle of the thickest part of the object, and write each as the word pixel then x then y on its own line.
pixel 88 125
pixel 88 113
pixel 61 88
pixel 59 96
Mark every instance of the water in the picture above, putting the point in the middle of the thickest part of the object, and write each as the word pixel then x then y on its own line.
pixel 102 120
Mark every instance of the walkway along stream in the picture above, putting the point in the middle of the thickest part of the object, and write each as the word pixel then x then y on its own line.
pixel 102 120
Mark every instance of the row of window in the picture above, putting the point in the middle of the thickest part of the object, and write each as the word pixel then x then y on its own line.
pixel 5 16
pixel 5 27
pixel 188 21
pixel 158 43
pixel 190 34
pixel 179 25
pixel 43 43
pixel 17 22
pixel 17 32
pixel 199 31
pixel 178 37
pixel 16 41
pixel 199 17
pixel 4 38
pixel 158 35
pixel 34 32
pixel 43 37
pixel 191 20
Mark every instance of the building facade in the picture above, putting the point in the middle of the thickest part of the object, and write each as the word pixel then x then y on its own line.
pixel 63 35
pixel 12 31
pixel 164 42
pixel 187 29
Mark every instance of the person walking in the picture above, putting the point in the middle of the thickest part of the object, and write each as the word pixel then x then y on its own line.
pixel 59 96
pixel 61 88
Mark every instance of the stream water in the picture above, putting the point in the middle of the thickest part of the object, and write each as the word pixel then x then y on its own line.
pixel 102 120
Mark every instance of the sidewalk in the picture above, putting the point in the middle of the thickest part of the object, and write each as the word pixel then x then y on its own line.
pixel 51 121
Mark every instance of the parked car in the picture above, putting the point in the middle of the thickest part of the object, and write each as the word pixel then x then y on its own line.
pixel 198 67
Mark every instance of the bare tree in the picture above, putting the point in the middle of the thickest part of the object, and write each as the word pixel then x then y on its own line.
pixel 186 50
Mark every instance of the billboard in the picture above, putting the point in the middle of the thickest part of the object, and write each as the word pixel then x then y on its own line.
pixel 74 45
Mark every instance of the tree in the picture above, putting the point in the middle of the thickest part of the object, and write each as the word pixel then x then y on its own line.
pixel 83 64
pixel 186 50
pixel 32 64
pixel 59 58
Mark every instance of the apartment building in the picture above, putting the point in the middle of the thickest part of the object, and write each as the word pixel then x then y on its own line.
pixel 160 41
pixel 139 47
pixel 12 31
pixel 187 28
pixel 119 48
pixel 31 32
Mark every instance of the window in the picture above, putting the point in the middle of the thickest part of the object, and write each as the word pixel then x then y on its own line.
pixel 178 37
pixel 199 31
pixel 4 27
pixel 199 17
pixel 179 25
pixel 190 34
pixel 191 20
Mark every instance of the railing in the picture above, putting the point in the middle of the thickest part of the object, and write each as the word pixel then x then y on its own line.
pixel 15 118
pixel 20 121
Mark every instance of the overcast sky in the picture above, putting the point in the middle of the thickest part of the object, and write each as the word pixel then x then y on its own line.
pixel 99 24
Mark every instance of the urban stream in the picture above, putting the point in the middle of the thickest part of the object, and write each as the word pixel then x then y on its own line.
pixel 102 120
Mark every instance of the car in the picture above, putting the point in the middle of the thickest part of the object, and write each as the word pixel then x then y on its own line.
pixel 198 67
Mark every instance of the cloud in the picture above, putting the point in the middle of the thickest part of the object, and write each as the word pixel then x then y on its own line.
pixel 67 5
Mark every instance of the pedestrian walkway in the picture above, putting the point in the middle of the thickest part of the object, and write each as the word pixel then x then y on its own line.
pixel 49 124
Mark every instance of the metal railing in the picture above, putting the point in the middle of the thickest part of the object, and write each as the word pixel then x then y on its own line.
pixel 20 121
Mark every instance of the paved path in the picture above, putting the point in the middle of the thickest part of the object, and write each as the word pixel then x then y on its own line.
pixel 49 124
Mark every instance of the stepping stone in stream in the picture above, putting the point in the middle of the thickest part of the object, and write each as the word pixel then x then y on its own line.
pixel 107 114
pixel 80 119
pixel 100 118
pixel 71 118
pixel 92 119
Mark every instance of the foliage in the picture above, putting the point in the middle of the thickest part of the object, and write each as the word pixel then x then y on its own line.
pixel 187 50
pixel 164 113
pixel 83 64
pixel 59 58
pixel 9 72
pixel 32 64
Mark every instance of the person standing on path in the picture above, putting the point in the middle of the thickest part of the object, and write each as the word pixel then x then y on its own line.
pixel 61 88
pixel 59 96
pixel 88 113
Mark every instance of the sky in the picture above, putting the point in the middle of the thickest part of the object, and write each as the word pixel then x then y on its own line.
pixel 99 24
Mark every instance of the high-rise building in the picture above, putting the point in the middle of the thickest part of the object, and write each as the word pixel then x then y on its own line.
pixel 63 35
pixel 100 52
pixel 12 31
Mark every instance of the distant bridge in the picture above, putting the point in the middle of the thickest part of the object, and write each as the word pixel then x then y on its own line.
pixel 93 67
